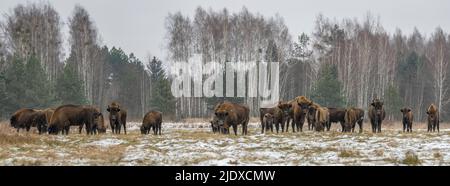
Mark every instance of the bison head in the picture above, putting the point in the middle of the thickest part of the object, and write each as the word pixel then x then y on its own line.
pixel 378 105
pixel 405 111
pixel 303 102
pixel 221 116
pixel 285 107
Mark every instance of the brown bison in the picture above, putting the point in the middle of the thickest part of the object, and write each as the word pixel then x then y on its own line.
pixel 376 115
pixel 152 120
pixel 215 125
pixel 42 118
pixel 232 114
pixel 280 114
pixel 310 116
pixel 350 119
pixel 117 117
pixel 297 115
pixel 321 114
pixel 304 104
pixel 336 115
pixel 407 119
pixel 70 115
pixel 433 118
pixel 26 118
pixel 268 122
pixel 99 125
pixel 359 119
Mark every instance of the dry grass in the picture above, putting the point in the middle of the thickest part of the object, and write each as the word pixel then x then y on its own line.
pixel 348 153
pixel 198 146
pixel 411 158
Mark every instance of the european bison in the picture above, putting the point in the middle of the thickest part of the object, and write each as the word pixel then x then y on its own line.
pixel 433 118
pixel 359 119
pixel 99 123
pixel 69 115
pixel 407 119
pixel 215 125
pixel 376 115
pixel 42 118
pixel 26 118
pixel 304 104
pixel 350 119
pixel 268 122
pixel 232 114
pixel 297 114
pixel 117 118
pixel 280 114
pixel 336 115
pixel 310 116
pixel 152 120
pixel 321 114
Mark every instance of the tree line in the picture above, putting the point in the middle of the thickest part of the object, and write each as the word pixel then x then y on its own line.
pixel 34 73
pixel 341 63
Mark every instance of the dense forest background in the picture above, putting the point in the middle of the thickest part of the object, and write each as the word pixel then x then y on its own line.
pixel 341 63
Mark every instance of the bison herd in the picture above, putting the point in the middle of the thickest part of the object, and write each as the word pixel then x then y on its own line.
pixel 319 118
pixel 226 115
pixel 60 119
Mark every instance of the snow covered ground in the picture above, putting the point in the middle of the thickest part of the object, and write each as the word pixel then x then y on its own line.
pixel 195 144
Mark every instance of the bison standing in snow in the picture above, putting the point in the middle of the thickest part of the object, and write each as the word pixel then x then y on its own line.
pixel 117 118
pixel 69 115
pixel 280 115
pixel 297 114
pixel 433 118
pixel 376 115
pixel 231 115
pixel 152 120
pixel 268 122
pixel 407 119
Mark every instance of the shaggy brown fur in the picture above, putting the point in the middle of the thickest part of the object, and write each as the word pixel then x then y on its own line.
pixel 233 114
pixel 433 118
pixel 152 120
pixel 117 118
pixel 69 115
pixel 407 119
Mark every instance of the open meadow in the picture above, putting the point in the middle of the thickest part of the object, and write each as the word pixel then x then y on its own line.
pixel 193 143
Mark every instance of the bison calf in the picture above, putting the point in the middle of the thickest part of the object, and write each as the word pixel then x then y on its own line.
pixel 268 122
pixel 152 120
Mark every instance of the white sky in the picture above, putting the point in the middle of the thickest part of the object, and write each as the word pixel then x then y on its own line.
pixel 138 25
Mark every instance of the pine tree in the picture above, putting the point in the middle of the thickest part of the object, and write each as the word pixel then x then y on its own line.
pixel 69 88
pixel 393 102
pixel 327 91
pixel 38 87
pixel 14 85
pixel 161 95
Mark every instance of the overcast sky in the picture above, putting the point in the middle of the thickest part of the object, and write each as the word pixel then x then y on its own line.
pixel 138 25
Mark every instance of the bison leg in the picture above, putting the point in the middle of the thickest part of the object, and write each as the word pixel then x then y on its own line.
pixel 80 128
pixel 262 128
pixel 124 128
pixel 379 127
pixel 235 129
pixel 277 126
pixel 159 127
pixel 437 125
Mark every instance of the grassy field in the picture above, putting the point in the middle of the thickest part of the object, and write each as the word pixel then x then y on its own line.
pixel 193 144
